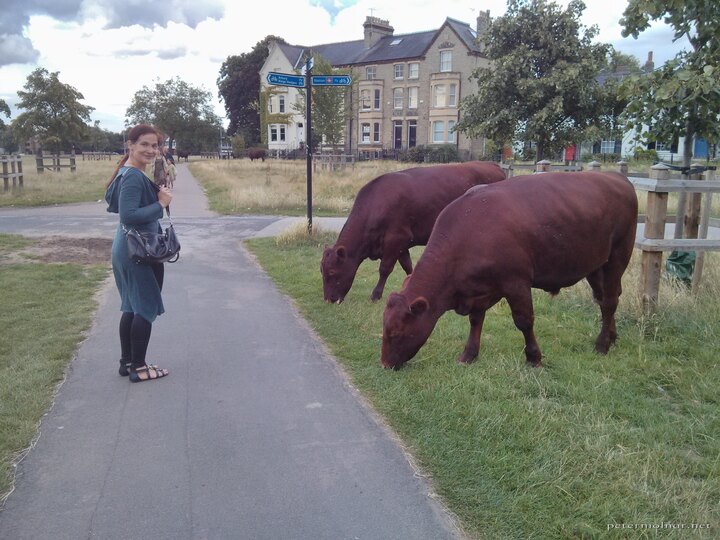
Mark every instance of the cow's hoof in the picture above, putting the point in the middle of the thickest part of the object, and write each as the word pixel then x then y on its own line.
pixel 465 360
pixel 537 364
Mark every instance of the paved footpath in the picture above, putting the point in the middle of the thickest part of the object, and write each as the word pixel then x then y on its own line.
pixel 256 433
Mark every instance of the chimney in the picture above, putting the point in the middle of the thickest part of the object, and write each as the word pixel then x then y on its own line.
pixel 483 23
pixel 649 65
pixel 375 29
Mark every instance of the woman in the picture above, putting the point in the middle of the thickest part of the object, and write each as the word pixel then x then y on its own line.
pixel 140 204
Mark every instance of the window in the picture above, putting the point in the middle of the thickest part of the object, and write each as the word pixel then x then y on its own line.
pixel 452 96
pixel 445 60
pixel 608 147
pixel 451 135
pixel 281 103
pixel 413 97
pixel 396 41
pixel 364 100
pixel 270 104
pixel 413 70
pixel 370 73
pixel 376 132
pixel 438 131
pixel 439 95
pixel 398 98
pixel 277 132
pixel 365 133
pixel 376 102
pixel 399 71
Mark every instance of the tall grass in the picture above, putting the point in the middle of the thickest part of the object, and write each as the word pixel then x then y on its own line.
pixel 59 187
pixel 280 187
pixel 568 451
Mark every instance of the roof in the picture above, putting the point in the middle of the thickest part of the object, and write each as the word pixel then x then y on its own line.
pixel 387 48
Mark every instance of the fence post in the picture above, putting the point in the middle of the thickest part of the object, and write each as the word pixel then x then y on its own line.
pixel 594 166
pixel 6 184
pixel 19 169
pixel 72 160
pixel 622 167
pixel 702 233
pixel 654 228
pixel 39 161
pixel 691 217
pixel 542 166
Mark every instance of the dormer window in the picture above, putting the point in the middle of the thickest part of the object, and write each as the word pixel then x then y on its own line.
pixel 395 41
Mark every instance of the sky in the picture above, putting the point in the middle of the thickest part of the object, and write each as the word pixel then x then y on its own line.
pixel 110 49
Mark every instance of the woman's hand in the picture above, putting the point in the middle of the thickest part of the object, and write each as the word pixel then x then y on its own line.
pixel 164 196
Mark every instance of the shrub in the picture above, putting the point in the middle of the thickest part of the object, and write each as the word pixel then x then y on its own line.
pixel 645 155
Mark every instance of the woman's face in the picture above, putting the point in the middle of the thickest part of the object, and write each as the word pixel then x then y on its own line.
pixel 144 150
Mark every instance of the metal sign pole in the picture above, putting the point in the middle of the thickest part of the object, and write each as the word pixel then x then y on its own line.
pixel 308 140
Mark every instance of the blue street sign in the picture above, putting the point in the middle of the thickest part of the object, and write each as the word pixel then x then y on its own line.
pixel 286 79
pixel 330 80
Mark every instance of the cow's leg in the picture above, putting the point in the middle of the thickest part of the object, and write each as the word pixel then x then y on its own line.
pixel 406 262
pixel 472 347
pixel 519 299
pixel 612 288
pixel 596 280
pixel 387 263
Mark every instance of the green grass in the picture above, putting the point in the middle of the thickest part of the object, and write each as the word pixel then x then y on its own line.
pixel 44 313
pixel 559 452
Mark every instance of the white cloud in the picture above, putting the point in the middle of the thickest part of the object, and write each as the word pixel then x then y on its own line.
pixel 108 65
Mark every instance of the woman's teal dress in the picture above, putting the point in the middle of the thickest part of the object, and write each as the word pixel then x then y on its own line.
pixel 134 197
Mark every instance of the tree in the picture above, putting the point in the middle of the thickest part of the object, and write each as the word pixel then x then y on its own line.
pixel 541 85
pixel 181 111
pixel 681 98
pixel 239 88
pixel 53 114
pixel 5 110
pixel 330 105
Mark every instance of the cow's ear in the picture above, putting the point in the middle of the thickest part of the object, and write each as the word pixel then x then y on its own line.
pixel 340 252
pixel 419 306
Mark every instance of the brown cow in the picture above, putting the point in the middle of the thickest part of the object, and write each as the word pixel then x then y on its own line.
pixel 257 153
pixel 545 231
pixel 393 213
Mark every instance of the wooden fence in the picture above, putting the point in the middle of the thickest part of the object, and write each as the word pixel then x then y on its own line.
pixel 333 162
pixel 511 169
pixel 99 156
pixel 11 170
pixel 56 162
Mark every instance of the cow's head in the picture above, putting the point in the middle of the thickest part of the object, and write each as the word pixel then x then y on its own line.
pixel 338 272
pixel 406 327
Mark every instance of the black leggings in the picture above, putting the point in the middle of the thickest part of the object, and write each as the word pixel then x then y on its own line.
pixel 135 330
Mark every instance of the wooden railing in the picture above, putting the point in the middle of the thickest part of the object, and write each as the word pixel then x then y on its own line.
pixel 11 170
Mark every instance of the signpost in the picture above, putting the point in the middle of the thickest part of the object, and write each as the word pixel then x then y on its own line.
pixel 307 79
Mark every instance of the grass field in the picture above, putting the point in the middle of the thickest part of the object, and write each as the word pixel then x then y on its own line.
pixel 45 310
pixel 568 451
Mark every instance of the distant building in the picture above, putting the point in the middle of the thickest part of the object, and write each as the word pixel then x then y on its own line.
pixel 406 88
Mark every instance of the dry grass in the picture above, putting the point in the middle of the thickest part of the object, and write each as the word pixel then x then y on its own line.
pixel 87 183
pixel 280 187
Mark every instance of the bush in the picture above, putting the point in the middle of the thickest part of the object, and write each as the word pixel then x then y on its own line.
pixel 645 155
pixel 413 155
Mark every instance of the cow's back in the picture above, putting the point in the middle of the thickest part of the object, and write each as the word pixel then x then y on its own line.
pixel 556 226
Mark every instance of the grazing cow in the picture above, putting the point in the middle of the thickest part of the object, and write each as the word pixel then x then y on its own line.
pixel 393 213
pixel 257 153
pixel 183 154
pixel 545 231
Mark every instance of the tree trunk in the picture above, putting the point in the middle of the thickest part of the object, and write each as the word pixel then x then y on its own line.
pixel 540 150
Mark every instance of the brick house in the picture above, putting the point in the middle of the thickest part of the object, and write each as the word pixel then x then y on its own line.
pixel 406 88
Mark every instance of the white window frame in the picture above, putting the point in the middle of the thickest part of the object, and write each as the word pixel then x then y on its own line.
pixel 371 73
pixel 270 104
pixel 399 70
pixel 452 96
pixel 605 144
pixel 376 132
pixel 365 133
pixel 445 61
pixel 451 135
pixel 413 92
pixel 365 100
pixel 439 96
pixel 273 132
pixel 438 132
pixel 377 99
pixel 282 132
pixel 398 98
pixel 281 104
pixel 414 70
